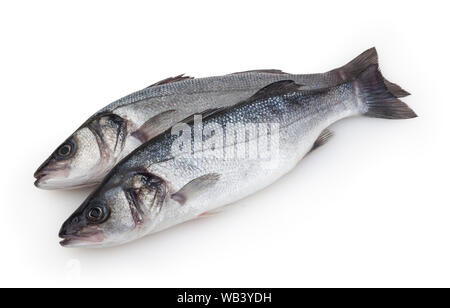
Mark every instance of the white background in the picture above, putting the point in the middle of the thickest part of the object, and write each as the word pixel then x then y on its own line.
pixel 368 209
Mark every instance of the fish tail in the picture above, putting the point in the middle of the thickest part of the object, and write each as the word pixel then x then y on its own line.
pixel 379 100
pixel 361 63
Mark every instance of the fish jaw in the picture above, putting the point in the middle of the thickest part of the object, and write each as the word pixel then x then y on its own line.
pixel 93 239
pixel 51 180
pixel 76 232
pixel 60 175
pixel 59 180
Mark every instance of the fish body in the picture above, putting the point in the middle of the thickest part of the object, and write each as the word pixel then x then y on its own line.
pixel 116 130
pixel 186 171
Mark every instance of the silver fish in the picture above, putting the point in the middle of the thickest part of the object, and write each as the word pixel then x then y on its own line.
pixel 113 132
pixel 195 168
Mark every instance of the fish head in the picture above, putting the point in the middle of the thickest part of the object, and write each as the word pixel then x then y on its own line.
pixel 86 156
pixel 124 208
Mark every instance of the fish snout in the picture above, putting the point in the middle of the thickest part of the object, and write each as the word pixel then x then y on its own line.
pixel 87 239
pixel 41 179
pixel 74 233
pixel 50 173
pixel 42 168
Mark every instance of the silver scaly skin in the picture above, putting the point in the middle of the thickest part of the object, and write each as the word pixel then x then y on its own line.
pixel 113 132
pixel 157 187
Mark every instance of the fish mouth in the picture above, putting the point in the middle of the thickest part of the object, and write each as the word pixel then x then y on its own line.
pixel 51 178
pixel 39 176
pixel 88 239
pixel 40 179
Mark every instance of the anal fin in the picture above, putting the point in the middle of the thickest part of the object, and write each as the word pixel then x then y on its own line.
pixel 323 138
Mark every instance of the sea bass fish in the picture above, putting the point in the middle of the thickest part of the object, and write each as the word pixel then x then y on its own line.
pixel 113 132
pixel 186 172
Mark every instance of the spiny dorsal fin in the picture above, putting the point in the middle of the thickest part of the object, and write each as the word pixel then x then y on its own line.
pixel 277 88
pixel 170 80
pixel 324 136
pixel 267 71
pixel 195 187
pixel 154 126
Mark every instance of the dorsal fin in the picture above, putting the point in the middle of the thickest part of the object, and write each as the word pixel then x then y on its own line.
pixel 205 113
pixel 277 88
pixel 170 80
pixel 267 71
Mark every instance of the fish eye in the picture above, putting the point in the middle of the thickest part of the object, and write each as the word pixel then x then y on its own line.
pixel 96 213
pixel 65 150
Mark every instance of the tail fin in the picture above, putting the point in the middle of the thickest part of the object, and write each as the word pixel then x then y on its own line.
pixel 360 64
pixel 378 100
pixel 395 90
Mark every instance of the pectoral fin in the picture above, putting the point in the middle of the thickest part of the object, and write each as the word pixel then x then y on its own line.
pixel 195 187
pixel 154 126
